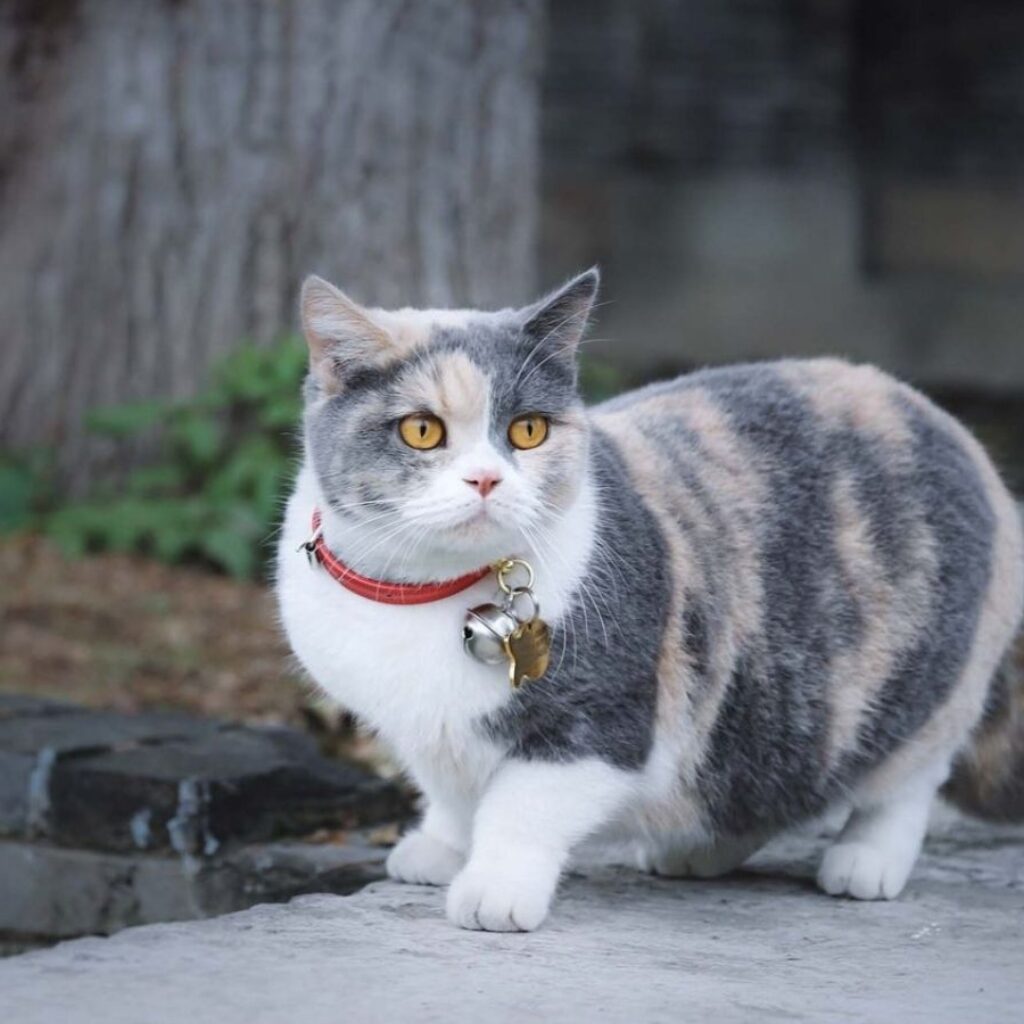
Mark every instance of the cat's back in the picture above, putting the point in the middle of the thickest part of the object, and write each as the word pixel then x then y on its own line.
pixel 800 399
pixel 839 547
pixel 812 462
pixel 783 422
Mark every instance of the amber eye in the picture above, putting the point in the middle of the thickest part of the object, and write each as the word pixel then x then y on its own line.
pixel 422 431
pixel 528 431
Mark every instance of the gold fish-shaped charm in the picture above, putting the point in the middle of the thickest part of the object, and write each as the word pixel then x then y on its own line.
pixel 529 651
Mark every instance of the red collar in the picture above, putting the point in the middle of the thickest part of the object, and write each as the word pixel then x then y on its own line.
pixel 378 590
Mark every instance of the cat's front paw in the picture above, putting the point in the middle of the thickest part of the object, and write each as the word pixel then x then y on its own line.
pixel 863 871
pixel 512 895
pixel 419 859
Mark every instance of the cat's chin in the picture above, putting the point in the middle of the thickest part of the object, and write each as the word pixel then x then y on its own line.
pixel 485 536
pixel 481 536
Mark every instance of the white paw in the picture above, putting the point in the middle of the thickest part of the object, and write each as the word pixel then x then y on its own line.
pixel 420 859
pixel 863 871
pixel 513 896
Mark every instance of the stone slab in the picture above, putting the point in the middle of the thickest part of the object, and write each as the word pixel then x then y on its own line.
pixel 16 771
pixel 14 705
pixel 160 782
pixel 762 945
pixel 79 730
pixel 48 892
pixel 193 796
pixel 278 871
pixel 37 735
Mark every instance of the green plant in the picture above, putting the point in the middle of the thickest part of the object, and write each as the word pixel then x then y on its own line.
pixel 213 491
pixel 26 488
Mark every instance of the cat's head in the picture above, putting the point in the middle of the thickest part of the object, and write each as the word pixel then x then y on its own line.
pixel 446 435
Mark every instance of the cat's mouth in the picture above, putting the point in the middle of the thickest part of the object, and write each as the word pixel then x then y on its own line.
pixel 476 522
pixel 477 519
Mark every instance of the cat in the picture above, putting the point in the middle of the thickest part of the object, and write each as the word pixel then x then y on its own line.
pixel 772 589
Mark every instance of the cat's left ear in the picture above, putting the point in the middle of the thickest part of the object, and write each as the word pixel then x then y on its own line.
pixel 560 319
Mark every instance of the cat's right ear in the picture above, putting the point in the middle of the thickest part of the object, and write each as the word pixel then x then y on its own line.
pixel 342 335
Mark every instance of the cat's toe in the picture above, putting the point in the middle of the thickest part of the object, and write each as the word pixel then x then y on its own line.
pixel 419 859
pixel 862 871
pixel 505 901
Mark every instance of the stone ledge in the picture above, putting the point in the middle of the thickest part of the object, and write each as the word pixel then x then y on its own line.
pixel 160 782
pixel 47 891
pixel 193 795
pixel 761 945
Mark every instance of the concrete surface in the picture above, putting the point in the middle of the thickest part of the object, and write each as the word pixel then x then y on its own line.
pixel 760 946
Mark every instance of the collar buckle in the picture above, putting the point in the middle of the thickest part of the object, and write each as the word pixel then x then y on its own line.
pixel 309 546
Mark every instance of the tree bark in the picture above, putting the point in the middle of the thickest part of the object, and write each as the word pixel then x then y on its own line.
pixel 171 169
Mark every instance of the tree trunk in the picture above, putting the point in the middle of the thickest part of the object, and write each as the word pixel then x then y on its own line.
pixel 171 169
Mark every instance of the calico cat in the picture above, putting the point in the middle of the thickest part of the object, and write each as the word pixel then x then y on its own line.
pixel 771 589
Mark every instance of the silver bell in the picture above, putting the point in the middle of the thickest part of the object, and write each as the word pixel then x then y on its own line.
pixel 484 632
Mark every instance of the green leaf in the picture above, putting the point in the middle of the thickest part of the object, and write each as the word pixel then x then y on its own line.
pixel 231 551
pixel 253 472
pixel 19 489
pixel 130 522
pixel 289 364
pixel 247 374
pixel 125 420
pixel 172 543
pixel 281 412
pixel 149 481
pixel 197 436
pixel 78 528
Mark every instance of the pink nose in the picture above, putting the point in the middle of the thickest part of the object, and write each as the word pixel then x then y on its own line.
pixel 483 482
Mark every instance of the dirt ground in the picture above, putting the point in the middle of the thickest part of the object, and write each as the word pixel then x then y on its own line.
pixel 116 631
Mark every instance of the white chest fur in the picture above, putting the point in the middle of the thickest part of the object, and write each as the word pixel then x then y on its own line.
pixel 402 669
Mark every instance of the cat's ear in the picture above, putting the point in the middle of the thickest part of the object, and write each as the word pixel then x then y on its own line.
pixel 560 318
pixel 341 334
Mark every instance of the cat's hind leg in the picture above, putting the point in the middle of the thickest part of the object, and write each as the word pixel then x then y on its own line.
pixel 872 857
pixel 676 856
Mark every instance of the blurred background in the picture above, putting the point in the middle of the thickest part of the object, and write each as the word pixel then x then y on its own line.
pixel 756 178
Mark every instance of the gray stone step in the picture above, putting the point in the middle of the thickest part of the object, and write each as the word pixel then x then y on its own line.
pixel 49 892
pixel 160 782
pixel 762 945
